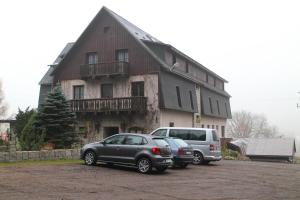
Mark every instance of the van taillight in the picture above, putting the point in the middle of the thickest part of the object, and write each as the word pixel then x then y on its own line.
pixel 211 147
pixel 155 150
pixel 180 151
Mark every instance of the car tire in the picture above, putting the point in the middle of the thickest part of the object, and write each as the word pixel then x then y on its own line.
pixel 144 165
pixel 198 158
pixel 161 169
pixel 90 158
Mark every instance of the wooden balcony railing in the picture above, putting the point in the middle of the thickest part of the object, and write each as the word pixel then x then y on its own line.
pixel 104 69
pixel 130 104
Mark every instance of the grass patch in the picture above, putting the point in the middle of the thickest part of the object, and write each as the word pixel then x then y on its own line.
pixel 40 162
pixel 297 160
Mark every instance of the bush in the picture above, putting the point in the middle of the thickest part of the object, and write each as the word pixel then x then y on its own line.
pixel 229 154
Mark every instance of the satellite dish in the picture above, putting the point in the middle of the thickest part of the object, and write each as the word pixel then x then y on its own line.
pixel 176 64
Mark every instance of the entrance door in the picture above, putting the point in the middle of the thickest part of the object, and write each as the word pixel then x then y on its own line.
pixel 109 131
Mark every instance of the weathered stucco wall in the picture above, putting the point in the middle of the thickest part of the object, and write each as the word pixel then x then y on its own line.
pixel 179 118
pixel 215 123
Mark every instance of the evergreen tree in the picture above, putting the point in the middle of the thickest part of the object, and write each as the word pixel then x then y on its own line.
pixel 56 118
pixel 31 137
pixel 22 118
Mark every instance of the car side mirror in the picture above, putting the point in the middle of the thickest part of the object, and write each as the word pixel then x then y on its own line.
pixel 102 142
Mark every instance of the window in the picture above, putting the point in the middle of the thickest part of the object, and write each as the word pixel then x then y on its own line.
pixel 171 124
pixel 199 135
pixel 202 126
pixel 118 139
pixel 191 99
pixel 173 59
pixel 122 55
pixel 78 92
pixel 133 140
pixel 223 131
pixel 92 58
pixel 106 29
pixel 160 132
pixel 178 96
pixel 186 67
pixel 218 107
pixel 217 127
pixel 213 126
pixel 182 134
pixel 226 109
pixel 208 126
pixel 106 90
pixel 210 105
pixel 137 89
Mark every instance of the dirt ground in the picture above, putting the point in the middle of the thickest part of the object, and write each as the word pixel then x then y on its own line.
pixel 221 180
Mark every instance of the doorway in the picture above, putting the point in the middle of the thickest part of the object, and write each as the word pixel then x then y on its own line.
pixel 109 131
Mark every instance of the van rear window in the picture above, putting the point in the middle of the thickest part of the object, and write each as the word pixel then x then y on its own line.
pixel 215 136
pixel 199 135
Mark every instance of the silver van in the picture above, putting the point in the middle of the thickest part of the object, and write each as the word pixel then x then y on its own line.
pixel 205 142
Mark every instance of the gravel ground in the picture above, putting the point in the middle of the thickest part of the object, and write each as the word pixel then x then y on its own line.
pixel 220 180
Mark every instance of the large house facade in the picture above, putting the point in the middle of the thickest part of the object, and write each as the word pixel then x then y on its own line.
pixel 119 78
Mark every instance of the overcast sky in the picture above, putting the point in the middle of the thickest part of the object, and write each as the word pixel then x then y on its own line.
pixel 255 45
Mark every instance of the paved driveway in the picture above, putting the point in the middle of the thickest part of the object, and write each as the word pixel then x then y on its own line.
pixel 222 180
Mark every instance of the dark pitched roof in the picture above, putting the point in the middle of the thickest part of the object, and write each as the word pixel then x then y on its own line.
pixel 48 78
pixel 141 37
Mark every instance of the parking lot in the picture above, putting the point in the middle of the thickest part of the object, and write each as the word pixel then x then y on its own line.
pixel 222 180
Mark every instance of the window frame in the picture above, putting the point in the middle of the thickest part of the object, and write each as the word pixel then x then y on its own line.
pixel 80 94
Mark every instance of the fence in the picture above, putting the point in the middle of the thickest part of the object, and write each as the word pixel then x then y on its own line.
pixel 39 155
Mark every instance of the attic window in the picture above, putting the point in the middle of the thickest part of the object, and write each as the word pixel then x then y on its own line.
pixel 106 29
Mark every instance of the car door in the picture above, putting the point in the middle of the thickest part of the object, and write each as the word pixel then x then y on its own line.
pixel 111 148
pixel 131 146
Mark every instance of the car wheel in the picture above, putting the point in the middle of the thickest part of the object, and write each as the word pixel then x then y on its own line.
pixel 144 165
pixel 90 158
pixel 198 158
pixel 161 169
pixel 183 165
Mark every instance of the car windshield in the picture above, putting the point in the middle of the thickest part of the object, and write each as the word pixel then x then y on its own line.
pixel 160 142
pixel 180 143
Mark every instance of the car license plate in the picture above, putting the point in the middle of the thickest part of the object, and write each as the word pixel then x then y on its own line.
pixel 168 160
pixel 188 153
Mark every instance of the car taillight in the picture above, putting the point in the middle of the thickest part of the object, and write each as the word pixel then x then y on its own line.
pixel 211 147
pixel 155 150
pixel 180 151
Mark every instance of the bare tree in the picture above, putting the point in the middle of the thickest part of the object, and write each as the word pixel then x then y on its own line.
pixel 246 125
pixel 3 105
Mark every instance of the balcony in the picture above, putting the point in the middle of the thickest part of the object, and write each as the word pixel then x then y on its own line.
pixel 109 69
pixel 127 104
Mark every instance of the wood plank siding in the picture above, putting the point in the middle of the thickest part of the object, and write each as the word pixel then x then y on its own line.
pixel 105 35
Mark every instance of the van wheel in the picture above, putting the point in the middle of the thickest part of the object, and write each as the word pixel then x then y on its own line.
pixel 198 158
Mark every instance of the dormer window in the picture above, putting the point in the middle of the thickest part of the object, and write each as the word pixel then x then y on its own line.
pixel 92 58
pixel 173 59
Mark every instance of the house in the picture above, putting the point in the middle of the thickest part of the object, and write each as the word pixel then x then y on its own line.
pixel 118 78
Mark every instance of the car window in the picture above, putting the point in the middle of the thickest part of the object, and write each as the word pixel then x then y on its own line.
pixel 118 139
pixel 199 135
pixel 180 142
pixel 160 132
pixel 160 142
pixel 215 136
pixel 182 134
pixel 133 140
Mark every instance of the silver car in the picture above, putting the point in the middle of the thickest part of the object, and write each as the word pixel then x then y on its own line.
pixel 139 150
pixel 205 142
